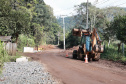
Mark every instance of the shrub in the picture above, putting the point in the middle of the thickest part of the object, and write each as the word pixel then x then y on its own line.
pixel 70 41
pixel 25 41
pixel 3 55
pixel 111 53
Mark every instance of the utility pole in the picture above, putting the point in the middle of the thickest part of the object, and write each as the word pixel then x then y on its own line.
pixel 94 19
pixel 87 15
pixel 95 12
pixel 58 37
pixel 64 31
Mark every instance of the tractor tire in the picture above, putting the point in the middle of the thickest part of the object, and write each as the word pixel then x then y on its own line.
pixel 96 57
pixel 80 55
pixel 75 54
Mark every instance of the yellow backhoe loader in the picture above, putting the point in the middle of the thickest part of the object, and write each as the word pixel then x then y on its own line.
pixel 90 44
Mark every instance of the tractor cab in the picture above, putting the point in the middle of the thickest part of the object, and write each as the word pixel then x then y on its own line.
pixel 86 39
pixel 90 44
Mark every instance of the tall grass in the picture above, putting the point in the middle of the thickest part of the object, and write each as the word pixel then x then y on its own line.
pixel 111 53
pixel 4 57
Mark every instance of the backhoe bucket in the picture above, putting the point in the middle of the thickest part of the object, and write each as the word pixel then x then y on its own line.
pixel 78 32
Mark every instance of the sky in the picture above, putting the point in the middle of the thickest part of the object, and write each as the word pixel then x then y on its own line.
pixel 66 7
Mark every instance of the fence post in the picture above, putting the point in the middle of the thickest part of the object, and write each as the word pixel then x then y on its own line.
pixel 14 48
pixel 123 48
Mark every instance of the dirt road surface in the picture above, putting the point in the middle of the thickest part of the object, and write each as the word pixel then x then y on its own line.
pixel 71 71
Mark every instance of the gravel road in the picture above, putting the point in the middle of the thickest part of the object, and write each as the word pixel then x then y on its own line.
pixel 25 73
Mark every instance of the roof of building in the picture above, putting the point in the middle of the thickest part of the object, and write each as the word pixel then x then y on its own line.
pixel 5 38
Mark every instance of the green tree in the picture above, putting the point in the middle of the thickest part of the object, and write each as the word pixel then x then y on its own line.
pixel 110 13
pixel 13 22
pixel 29 17
pixel 96 18
pixel 72 40
pixel 118 28
pixel 37 33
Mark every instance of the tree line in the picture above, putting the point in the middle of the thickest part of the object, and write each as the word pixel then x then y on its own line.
pixel 32 18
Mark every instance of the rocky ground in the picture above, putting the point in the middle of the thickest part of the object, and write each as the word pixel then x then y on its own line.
pixel 25 73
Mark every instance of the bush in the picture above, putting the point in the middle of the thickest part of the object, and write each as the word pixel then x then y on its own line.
pixel 25 41
pixel 70 41
pixel 3 55
pixel 111 53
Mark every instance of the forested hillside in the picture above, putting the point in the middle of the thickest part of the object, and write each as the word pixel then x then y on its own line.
pixel 124 9
pixel 31 19
pixel 69 22
pixel 98 18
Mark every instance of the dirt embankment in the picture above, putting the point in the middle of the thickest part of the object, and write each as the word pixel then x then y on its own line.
pixel 45 47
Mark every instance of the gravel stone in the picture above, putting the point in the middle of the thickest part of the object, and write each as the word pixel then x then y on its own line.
pixel 25 73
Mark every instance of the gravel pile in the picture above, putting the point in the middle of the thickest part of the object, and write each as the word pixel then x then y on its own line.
pixel 25 73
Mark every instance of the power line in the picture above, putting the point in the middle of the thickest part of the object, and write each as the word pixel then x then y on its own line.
pixel 75 1
pixel 74 7
pixel 68 8
pixel 65 9
pixel 118 4
pixel 95 4
pixel 102 2
pixel 113 2
pixel 109 4
pixel 121 4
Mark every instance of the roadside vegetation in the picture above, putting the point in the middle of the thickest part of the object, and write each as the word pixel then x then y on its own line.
pixel 4 56
pixel 111 53
pixel 32 19
pixel 25 41
pixel 29 22
pixel 116 31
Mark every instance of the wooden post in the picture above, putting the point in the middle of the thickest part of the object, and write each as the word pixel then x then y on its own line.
pixel 119 44
pixel 108 43
pixel 123 48
pixel 104 45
